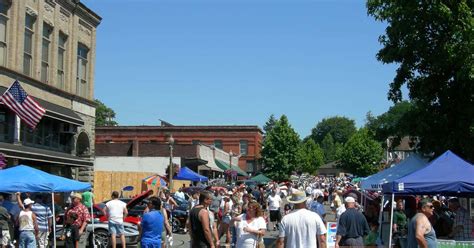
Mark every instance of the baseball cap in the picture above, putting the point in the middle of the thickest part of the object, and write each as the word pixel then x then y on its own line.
pixel 350 199
pixel 28 201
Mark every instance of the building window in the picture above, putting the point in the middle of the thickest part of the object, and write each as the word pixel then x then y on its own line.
pixel 62 38
pixel 81 80
pixel 4 6
pixel 250 166
pixel 28 45
pixel 49 134
pixel 47 31
pixel 218 144
pixel 244 147
pixel 6 125
pixel 196 142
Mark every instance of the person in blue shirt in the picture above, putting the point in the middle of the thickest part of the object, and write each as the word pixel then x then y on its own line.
pixel 318 207
pixel 152 224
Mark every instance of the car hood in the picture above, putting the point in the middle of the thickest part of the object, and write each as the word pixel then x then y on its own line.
pixel 139 198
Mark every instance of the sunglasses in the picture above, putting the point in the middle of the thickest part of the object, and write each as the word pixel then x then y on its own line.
pixel 430 206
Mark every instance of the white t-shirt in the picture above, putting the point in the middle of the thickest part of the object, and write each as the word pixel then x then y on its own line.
pixel 115 210
pixel 274 202
pixel 300 228
pixel 308 190
pixel 245 239
pixel 339 211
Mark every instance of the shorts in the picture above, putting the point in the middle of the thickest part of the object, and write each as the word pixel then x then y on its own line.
pixel 116 228
pixel 5 238
pixel 226 219
pixel 275 215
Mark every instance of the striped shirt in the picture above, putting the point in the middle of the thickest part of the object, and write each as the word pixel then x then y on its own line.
pixel 43 213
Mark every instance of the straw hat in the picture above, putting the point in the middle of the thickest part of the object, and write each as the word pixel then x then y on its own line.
pixel 297 197
pixel 77 195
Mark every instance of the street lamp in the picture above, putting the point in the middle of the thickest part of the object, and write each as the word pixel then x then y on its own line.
pixel 231 154
pixel 171 143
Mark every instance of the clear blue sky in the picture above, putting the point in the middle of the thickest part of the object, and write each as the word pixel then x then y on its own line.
pixel 235 62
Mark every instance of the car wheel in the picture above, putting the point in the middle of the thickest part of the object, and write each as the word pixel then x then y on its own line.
pixel 175 225
pixel 101 238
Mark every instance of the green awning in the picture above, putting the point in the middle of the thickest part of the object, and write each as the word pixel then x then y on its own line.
pixel 261 179
pixel 225 166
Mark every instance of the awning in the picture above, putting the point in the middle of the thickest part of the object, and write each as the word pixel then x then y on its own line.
pixel 225 166
pixel 55 111
pixel 205 153
pixel 41 155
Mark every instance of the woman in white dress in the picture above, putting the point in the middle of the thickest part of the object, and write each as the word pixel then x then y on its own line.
pixel 250 226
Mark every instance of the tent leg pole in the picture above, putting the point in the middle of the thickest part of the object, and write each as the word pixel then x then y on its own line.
pixel 391 221
pixel 92 214
pixel 380 217
pixel 54 219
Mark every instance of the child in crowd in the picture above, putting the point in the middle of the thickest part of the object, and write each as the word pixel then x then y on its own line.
pixel 71 232
pixel 371 238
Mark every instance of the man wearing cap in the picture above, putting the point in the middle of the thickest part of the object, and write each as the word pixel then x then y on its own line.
pixel 301 228
pixel 352 226
pixel 82 217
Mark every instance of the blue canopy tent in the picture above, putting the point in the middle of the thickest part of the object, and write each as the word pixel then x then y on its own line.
pixel 405 167
pixel 187 174
pixel 448 174
pixel 23 178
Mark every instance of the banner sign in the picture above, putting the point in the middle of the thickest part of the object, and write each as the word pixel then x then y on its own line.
pixel 331 235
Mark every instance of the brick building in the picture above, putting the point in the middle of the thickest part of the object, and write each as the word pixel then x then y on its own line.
pixel 49 47
pixel 242 141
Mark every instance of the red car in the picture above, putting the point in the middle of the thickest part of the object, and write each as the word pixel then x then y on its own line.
pixel 134 206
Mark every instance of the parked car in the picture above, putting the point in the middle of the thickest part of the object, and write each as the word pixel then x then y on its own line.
pixel 100 238
pixel 179 214
pixel 135 207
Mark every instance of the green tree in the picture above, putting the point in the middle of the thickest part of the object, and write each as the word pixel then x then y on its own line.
pixel 329 148
pixel 270 123
pixel 281 150
pixel 361 154
pixel 432 44
pixel 340 128
pixel 311 156
pixel 393 123
pixel 104 116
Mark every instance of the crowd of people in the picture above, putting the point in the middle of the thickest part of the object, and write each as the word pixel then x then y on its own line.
pixel 240 215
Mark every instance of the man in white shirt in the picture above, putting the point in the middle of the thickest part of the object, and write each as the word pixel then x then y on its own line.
pixel 273 205
pixel 116 210
pixel 301 228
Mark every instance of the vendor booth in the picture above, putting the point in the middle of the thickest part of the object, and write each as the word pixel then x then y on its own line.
pixel 447 175
pixel 22 179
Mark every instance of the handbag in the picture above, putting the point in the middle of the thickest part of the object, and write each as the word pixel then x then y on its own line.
pixel 260 243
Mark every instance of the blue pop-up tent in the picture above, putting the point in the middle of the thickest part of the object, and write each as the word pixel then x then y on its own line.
pixel 448 174
pixel 405 167
pixel 23 178
pixel 187 174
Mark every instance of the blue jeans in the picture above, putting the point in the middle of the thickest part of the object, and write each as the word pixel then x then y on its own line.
pixel 27 239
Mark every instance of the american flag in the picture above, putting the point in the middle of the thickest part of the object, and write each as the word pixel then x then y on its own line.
pixel 23 105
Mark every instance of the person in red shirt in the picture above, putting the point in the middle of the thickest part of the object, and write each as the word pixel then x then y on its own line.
pixel 83 217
